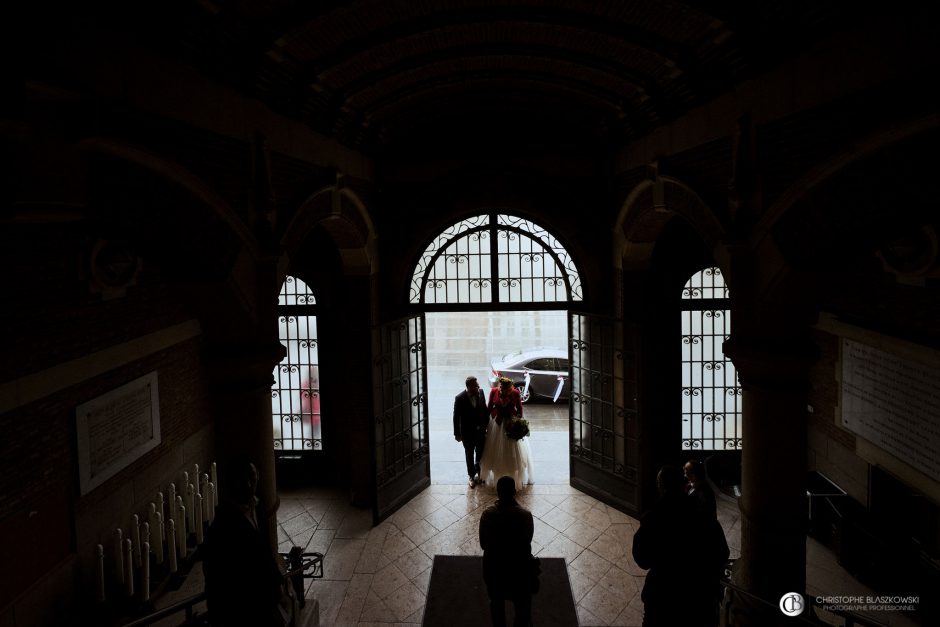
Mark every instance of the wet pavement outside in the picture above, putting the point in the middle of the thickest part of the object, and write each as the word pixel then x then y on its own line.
pixel 462 344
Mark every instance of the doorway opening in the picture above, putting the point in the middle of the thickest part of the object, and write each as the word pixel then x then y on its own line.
pixel 460 344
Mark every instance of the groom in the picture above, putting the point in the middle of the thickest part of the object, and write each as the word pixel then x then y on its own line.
pixel 470 421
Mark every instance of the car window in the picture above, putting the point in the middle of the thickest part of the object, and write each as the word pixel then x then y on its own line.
pixel 543 363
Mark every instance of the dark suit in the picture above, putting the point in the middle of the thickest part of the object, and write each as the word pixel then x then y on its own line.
pixel 506 531
pixel 470 428
pixel 684 549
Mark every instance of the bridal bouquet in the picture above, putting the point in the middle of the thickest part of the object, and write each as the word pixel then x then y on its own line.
pixel 517 428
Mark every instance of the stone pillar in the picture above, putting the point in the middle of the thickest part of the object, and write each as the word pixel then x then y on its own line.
pixel 774 381
pixel 241 392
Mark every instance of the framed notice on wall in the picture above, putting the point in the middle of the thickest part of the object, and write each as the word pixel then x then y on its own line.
pixel 893 402
pixel 115 429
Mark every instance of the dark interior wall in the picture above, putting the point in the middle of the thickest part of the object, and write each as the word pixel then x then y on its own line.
pixel 70 339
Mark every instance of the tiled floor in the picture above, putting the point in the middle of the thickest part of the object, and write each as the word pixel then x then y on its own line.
pixel 379 576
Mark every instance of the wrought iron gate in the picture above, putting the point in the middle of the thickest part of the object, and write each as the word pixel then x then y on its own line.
pixel 402 466
pixel 603 446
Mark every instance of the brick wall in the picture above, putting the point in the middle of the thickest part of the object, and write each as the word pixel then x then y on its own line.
pixel 54 318
pixel 832 448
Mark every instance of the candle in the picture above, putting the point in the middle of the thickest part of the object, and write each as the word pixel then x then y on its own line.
pixel 171 544
pixel 196 477
pixel 151 513
pixel 185 481
pixel 171 502
pixel 206 501
pixel 212 502
pixel 198 510
pixel 99 573
pixel 145 573
pixel 135 535
pixel 128 568
pixel 119 555
pixel 158 538
pixel 190 500
pixel 144 538
pixel 215 482
pixel 181 527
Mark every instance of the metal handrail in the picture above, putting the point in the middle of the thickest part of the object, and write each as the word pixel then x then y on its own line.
pixel 180 606
pixel 298 564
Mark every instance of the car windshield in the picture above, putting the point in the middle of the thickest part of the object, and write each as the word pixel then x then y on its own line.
pixel 509 356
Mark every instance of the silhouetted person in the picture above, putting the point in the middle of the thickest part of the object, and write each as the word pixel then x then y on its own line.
pixel 243 580
pixel 470 419
pixel 506 537
pixel 685 551
pixel 698 488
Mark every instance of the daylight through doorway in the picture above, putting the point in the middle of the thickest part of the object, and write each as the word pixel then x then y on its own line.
pixel 466 343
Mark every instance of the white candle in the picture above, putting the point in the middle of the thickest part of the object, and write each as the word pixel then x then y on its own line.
pixel 151 513
pixel 119 555
pixel 181 526
pixel 196 477
pixel 99 573
pixel 158 538
pixel 145 572
pixel 128 568
pixel 198 510
pixel 206 501
pixel 171 503
pixel 184 482
pixel 171 544
pixel 135 536
pixel 190 500
pixel 144 539
pixel 212 502
pixel 215 482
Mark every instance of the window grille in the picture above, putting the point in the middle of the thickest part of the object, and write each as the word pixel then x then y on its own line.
pixel 295 395
pixel 495 258
pixel 711 395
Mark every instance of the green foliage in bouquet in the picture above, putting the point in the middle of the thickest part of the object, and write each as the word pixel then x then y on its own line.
pixel 517 428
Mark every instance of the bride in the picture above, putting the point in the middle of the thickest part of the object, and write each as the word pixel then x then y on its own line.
pixel 502 455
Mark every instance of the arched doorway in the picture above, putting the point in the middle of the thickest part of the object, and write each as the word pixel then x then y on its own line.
pixel 487 265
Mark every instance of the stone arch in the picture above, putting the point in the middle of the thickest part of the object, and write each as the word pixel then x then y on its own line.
pixel 175 218
pixel 646 211
pixel 880 188
pixel 342 214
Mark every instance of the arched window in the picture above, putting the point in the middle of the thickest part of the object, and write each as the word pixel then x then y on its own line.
pixel 495 258
pixel 711 396
pixel 295 395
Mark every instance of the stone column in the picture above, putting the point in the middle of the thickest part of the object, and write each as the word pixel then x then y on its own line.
pixel 241 391
pixel 774 379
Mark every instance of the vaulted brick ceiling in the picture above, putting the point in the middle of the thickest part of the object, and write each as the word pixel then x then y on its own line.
pixel 375 72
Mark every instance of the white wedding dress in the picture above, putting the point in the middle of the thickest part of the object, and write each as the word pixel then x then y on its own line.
pixel 503 456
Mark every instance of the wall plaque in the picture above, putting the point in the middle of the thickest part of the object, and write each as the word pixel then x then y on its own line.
pixel 115 429
pixel 894 403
